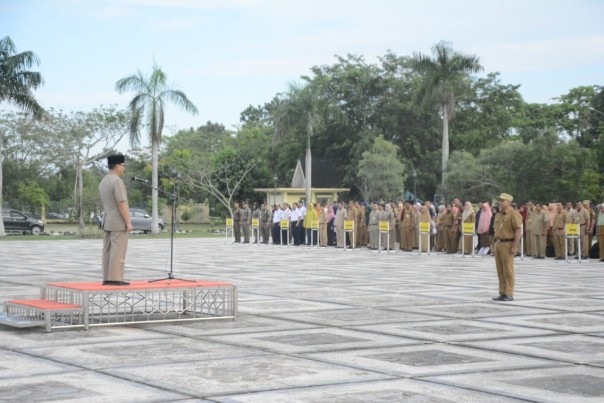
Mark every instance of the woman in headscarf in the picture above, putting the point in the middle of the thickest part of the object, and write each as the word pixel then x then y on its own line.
pixel 416 212
pixel 331 229
pixel 389 215
pixel 484 222
pixel 424 217
pixel 440 233
pixel 468 217
pixel 453 230
pixel 600 229
pixel 312 218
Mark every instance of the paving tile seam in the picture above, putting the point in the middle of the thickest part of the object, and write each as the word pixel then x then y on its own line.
pixel 520 354
pixel 473 389
pixel 148 385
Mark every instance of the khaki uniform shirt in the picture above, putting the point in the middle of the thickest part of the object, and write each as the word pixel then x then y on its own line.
pixel 113 192
pixel 540 223
pixel 506 224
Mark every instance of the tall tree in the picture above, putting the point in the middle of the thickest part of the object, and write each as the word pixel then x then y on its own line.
pixel 148 109
pixel 304 109
pixel 16 85
pixel 443 76
pixel 380 173
pixel 82 138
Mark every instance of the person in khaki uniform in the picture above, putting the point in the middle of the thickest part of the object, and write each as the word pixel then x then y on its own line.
pixel 323 222
pixel 374 226
pixel 408 227
pixel 468 216
pixel 448 220
pixel 540 224
pixel 508 230
pixel 341 216
pixel 584 221
pixel 558 229
pixel 116 223
pixel 359 224
pixel 237 222
pixel 440 241
pixel 529 249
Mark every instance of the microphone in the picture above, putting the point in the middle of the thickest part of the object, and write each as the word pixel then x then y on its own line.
pixel 134 178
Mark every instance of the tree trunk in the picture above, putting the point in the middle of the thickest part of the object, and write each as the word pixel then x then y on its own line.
pixel 80 199
pixel 2 231
pixel 445 144
pixel 154 183
pixel 308 164
pixel 308 173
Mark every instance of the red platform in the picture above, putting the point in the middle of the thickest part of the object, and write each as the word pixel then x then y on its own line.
pixel 139 285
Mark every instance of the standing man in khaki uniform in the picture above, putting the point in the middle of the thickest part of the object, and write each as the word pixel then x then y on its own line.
pixel 237 222
pixel 508 228
pixel 246 222
pixel 539 232
pixel 116 223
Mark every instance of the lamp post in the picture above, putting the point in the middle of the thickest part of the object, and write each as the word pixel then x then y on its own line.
pixel 414 174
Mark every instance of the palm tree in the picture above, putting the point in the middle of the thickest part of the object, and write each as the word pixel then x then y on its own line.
pixel 147 109
pixel 16 85
pixel 305 109
pixel 443 76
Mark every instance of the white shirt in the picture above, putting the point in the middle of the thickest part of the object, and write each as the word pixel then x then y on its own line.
pixel 277 216
pixel 303 212
pixel 287 213
pixel 296 215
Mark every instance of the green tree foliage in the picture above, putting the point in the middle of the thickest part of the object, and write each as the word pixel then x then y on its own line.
pixel 444 75
pixel 32 195
pixel 381 174
pixel 16 87
pixel 147 108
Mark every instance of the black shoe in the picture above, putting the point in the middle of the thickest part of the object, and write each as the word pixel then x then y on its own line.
pixel 499 298
pixel 506 298
pixel 116 283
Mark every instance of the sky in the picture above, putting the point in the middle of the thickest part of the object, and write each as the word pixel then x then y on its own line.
pixel 229 54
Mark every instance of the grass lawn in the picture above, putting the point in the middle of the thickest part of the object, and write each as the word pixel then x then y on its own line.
pixel 63 231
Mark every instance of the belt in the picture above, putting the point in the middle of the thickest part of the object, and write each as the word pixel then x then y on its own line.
pixel 504 240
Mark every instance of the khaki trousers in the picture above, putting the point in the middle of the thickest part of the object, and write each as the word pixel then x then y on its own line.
pixel 323 234
pixel 468 244
pixel 407 240
pixel 539 243
pixel 115 245
pixel 504 261
pixel 584 238
pixel 559 242
pixel 340 234
pixel 529 247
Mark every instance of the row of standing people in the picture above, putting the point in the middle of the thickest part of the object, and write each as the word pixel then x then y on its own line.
pixel 544 226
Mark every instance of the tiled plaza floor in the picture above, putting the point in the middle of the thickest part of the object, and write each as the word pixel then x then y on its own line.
pixel 315 325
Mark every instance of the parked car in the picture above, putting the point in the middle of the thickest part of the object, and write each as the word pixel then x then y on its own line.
pixel 141 221
pixel 18 222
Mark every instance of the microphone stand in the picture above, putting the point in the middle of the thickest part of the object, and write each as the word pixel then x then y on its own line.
pixel 174 198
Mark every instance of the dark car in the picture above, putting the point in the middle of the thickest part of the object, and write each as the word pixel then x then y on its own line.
pixel 141 221
pixel 18 222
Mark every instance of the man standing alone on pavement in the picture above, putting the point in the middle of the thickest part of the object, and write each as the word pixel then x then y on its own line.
pixel 116 223
pixel 508 225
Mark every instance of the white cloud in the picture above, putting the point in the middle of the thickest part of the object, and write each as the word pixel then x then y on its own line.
pixel 543 54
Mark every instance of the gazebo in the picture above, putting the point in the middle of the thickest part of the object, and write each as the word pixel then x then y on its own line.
pixel 297 189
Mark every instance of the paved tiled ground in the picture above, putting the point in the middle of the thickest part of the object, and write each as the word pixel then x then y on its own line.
pixel 315 326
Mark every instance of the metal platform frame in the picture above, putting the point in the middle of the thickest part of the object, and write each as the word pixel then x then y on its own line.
pixel 125 306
